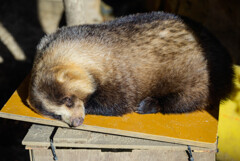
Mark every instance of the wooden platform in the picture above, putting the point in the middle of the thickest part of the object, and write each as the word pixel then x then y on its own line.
pixel 70 144
pixel 198 128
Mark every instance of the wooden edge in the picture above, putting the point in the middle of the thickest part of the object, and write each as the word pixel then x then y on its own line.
pixel 27 147
pixel 134 147
pixel 101 146
pixel 110 131
pixel 32 119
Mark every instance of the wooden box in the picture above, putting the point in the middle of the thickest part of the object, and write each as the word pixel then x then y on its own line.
pixel 72 144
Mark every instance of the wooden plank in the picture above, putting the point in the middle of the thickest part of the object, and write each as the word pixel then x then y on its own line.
pixel 110 131
pixel 85 139
pixel 197 128
pixel 135 155
pixel 38 137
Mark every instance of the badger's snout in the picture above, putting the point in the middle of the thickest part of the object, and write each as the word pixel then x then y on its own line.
pixel 76 122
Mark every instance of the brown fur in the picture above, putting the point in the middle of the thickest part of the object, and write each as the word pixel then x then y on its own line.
pixel 147 63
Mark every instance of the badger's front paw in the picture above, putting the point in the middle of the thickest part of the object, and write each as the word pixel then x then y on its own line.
pixel 148 105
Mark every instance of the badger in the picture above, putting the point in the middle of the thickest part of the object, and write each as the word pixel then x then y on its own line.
pixel 145 63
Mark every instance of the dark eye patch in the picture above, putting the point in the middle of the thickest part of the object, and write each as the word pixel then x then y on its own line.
pixel 68 101
pixel 40 108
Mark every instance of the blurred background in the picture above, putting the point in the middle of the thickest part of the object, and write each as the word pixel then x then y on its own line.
pixel 24 22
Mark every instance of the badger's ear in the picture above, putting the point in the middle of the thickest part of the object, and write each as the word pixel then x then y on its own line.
pixel 75 79
pixel 66 73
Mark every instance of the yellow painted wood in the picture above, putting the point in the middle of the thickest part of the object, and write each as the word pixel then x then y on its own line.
pixel 197 126
pixel 229 125
pixel 15 106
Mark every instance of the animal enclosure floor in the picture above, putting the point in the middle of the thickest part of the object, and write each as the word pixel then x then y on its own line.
pixel 197 128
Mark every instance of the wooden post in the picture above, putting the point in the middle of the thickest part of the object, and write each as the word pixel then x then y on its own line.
pixel 82 12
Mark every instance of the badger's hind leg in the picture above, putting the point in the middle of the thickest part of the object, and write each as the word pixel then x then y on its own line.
pixel 179 102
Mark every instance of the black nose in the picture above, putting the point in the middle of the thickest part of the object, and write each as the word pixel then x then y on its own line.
pixel 77 122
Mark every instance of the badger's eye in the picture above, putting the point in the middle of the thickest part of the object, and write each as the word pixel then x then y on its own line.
pixel 68 102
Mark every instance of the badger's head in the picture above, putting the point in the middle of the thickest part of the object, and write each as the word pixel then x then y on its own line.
pixel 60 92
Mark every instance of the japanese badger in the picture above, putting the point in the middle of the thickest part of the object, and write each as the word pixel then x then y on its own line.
pixel 145 63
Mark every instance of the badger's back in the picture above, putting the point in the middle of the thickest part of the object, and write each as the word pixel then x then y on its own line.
pixel 155 56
